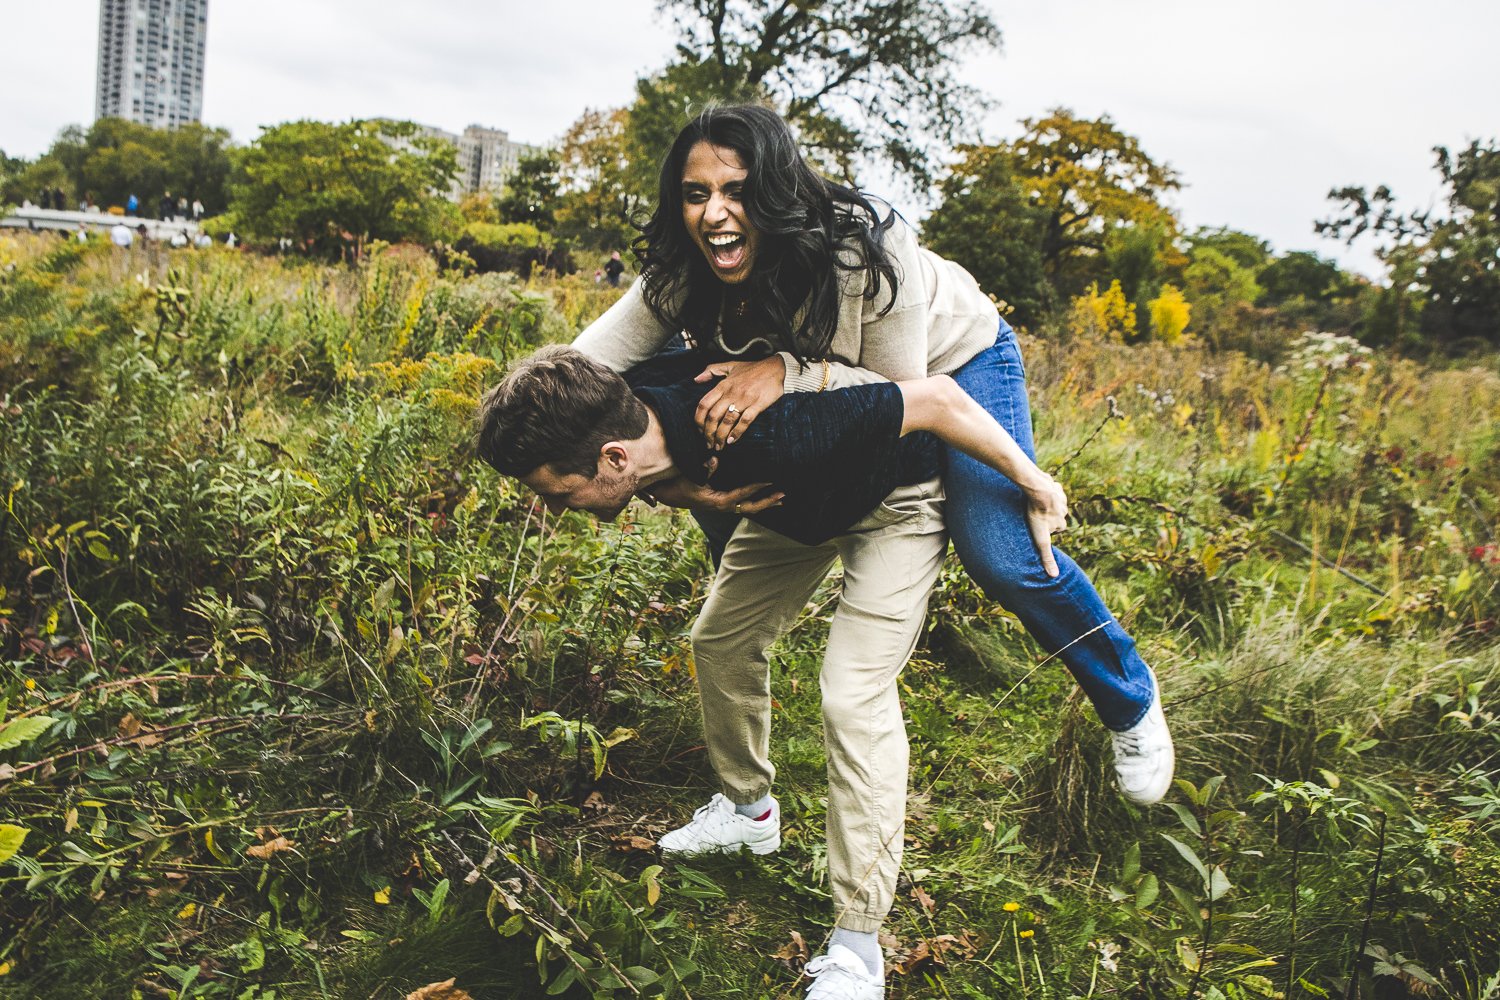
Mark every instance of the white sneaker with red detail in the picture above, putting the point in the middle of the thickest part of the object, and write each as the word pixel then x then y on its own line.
pixel 1144 759
pixel 842 975
pixel 717 829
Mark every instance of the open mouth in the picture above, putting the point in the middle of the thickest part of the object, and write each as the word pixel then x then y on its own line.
pixel 726 250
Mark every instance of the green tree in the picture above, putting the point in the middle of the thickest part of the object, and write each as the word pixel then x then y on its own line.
pixel 1087 178
pixel 1140 257
pixel 1449 258
pixel 987 223
pixel 600 197
pixel 1249 252
pixel 530 192
pixel 11 169
pixel 1039 219
pixel 114 158
pixel 316 182
pixel 1301 275
pixel 876 76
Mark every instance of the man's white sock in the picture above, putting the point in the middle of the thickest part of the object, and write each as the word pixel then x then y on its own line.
pixel 865 944
pixel 759 809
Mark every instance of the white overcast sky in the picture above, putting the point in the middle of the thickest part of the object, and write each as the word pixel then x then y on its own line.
pixel 1262 107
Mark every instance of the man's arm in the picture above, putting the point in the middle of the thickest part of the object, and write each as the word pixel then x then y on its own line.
pixel 937 405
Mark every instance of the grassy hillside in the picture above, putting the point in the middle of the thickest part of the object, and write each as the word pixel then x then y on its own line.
pixel 299 701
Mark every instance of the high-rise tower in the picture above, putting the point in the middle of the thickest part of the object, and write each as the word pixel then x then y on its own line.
pixel 151 60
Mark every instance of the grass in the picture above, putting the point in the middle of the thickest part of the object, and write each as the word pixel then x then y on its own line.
pixel 320 708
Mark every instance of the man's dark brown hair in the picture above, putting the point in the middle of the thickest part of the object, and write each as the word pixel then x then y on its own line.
pixel 558 407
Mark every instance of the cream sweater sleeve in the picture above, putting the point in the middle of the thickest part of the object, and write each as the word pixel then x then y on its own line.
pixel 627 334
pixel 870 347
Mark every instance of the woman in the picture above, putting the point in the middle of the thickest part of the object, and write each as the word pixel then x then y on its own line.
pixel 801 284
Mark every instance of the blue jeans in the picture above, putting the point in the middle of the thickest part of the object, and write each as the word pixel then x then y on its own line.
pixel 986 515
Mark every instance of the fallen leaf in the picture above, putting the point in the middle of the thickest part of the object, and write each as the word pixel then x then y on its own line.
pixel 383 896
pixel 633 844
pixel 934 950
pixel 444 990
pixel 794 953
pixel 596 802
pixel 921 896
pixel 274 846
pixel 137 732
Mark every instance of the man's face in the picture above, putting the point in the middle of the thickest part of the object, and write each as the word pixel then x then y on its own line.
pixel 604 495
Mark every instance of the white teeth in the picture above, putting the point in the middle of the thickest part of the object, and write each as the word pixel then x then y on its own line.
pixel 723 240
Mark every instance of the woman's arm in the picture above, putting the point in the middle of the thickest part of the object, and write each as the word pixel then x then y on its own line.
pixel 939 406
pixel 627 334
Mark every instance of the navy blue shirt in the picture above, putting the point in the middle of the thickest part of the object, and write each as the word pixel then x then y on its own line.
pixel 834 454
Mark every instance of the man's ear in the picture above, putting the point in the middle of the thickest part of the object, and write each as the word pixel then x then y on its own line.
pixel 614 455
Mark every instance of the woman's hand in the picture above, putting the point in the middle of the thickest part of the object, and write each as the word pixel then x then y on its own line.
pixel 683 492
pixel 745 389
pixel 1046 513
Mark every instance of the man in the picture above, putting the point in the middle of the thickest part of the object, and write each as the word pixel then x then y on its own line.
pixel 857 482
pixel 613 268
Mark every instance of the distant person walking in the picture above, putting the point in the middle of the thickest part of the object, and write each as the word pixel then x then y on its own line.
pixel 59 201
pixel 165 206
pixel 613 268
pixel 197 209
pixel 132 205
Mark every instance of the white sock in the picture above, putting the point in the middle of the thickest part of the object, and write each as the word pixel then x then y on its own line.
pixel 865 944
pixel 758 808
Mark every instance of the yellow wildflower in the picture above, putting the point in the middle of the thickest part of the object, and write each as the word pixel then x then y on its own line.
pixel 1011 907
pixel 1028 933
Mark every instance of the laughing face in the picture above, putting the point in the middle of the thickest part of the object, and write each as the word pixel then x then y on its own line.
pixel 713 182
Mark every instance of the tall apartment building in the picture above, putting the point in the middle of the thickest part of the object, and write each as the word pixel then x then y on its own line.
pixel 151 61
pixel 486 157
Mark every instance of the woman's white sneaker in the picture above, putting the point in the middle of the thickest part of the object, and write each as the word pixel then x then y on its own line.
pixel 842 975
pixel 717 829
pixel 1144 758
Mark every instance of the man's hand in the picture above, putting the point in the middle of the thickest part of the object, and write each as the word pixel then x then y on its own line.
pixel 683 492
pixel 1046 513
pixel 745 389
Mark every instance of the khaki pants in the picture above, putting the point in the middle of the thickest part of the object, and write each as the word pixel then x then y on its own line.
pixel 891 560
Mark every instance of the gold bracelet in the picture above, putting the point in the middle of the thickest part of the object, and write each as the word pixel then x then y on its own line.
pixel 824 384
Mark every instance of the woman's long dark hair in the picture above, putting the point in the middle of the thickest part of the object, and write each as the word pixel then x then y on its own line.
pixel 810 229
